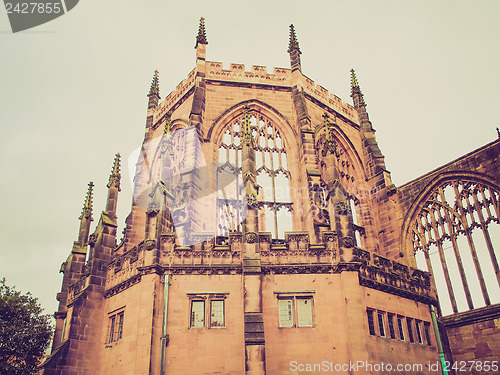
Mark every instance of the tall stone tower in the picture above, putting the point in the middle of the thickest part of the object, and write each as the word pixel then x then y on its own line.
pixel 265 237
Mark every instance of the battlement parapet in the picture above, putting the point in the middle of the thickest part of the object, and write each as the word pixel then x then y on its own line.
pixel 258 74
pixel 320 93
pixel 172 98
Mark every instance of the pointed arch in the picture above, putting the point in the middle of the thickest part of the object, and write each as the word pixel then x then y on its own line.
pixel 449 227
pixel 272 134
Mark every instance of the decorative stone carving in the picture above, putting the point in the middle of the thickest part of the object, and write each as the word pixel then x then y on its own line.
pixel 92 239
pixel 62 269
pixel 342 208
pixel 347 241
pixel 149 244
pixel 251 237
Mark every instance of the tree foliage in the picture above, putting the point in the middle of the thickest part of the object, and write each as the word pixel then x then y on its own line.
pixel 24 332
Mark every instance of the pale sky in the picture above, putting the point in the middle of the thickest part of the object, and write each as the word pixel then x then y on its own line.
pixel 73 93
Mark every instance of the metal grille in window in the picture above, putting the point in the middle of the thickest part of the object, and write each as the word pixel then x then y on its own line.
pixel 453 234
pixel 272 176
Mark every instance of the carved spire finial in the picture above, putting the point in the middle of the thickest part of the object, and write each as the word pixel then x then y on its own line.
pixel 201 38
pixel 294 43
pixel 294 50
pixel 155 85
pixel 87 207
pixel 114 179
pixel 356 93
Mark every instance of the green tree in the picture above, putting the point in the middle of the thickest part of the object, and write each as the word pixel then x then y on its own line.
pixel 24 332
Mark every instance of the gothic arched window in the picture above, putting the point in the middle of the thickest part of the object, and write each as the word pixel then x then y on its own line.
pixel 273 177
pixel 456 235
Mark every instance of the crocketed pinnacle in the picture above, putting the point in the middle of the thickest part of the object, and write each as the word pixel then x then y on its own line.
pixel 155 85
pixel 202 36
pixel 114 179
pixel 247 130
pixel 294 43
pixel 356 93
pixel 87 207
pixel 330 145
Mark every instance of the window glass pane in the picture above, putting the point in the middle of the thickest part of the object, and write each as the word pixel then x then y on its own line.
pixel 400 328
pixel 217 313
pixel 419 332
pixel 112 329
pixel 410 329
pixel 120 327
pixel 381 324
pixel 285 313
pixel 371 326
pixel 197 314
pixel 304 312
pixel 427 333
pixel 391 326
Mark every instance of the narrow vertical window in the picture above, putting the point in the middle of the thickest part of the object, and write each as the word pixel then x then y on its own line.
pixel 112 329
pixel 120 327
pixel 427 333
pixel 217 313
pixel 197 314
pixel 410 329
pixel 285 313
pixel 371 325
pixel 418 327
pixel 400 328
pixel 304 312
pixel 381 327
pixel 392 333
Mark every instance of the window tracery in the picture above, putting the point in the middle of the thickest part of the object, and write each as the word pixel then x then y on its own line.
pixel 456 235
pixel 272 175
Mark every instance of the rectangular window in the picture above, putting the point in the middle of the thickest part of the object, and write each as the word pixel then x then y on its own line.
pixel 410 329
pixel 115 332
pixel 207 310
pixel 391 326
pixel 381 327
pixel 304 312
pixel 285 312
pixel 371 325
pixel 418 327
pixel 295 311
pixel 217 313
pixel 197 314
pixel 400 328
pixel 427 327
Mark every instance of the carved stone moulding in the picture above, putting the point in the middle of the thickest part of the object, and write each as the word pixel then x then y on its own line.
pixel 290 269
pixel 405 293
pixel 204 270
pixel 122 286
